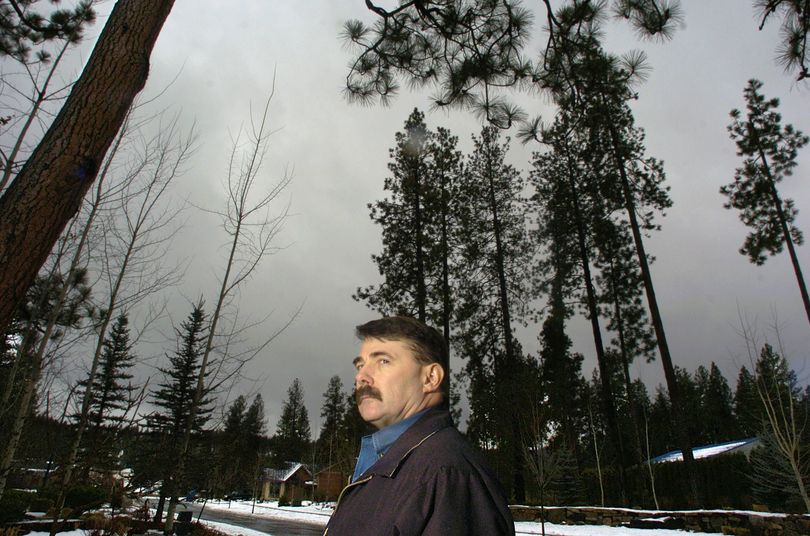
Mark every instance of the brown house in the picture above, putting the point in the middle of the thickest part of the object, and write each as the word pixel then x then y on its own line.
pixel 292 482
pixel 329 484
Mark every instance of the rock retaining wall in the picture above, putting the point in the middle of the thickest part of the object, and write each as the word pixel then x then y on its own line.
pixel 740 523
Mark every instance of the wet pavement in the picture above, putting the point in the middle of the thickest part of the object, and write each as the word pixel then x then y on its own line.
pixel 276 527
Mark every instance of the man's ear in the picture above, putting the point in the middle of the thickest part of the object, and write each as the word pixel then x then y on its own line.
pixel 433 375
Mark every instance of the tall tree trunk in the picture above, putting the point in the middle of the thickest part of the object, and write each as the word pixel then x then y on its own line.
pixel 679 415
pixel 421 292
pixel 446 300
pixel 49 188
pixel 780 213
pixel 38 357
pixel 593 312
pixel 510 369
pixel 623 351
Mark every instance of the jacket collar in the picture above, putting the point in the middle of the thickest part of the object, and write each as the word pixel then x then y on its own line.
pixel 432 421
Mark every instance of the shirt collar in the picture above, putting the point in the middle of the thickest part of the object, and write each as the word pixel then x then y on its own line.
pixel 383 438
pixel 374 446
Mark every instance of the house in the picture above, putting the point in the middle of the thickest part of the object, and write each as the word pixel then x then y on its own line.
pixel 289 482
pixel 740 446
pixel 329 484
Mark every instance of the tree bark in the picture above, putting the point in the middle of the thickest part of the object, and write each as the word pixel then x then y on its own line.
pixel 49 188
pixel 658 325
pixel 608 400
pixel 509 368
pixel 780 213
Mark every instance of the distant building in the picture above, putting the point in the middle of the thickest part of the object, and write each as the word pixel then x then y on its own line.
pixel 740 446
pixel 292 482
pixel 329 484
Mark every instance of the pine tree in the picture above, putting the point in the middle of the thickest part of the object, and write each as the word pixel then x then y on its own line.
pixel 173 396
pixel 333 415
pixel 54 305
pixel 254 423
pixel 292 431
pixel 769 155
pixel 567 221
pixel 470 50
pixel 494 291
pixel 174 400
pixel 784 421
pixel 24 27
pixel 50 187
pixel 235 415
pixel 717 407
pixel 792 52
pixel 240 446
pixel 418 221
pixel 112 398
pixel 747 406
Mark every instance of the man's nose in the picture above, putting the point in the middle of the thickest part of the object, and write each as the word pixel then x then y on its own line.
pixel 362 377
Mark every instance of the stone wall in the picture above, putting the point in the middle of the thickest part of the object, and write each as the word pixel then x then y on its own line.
pixel 740 523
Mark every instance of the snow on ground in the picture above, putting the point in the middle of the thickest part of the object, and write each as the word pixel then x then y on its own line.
pixel 315 514
pixel 318 514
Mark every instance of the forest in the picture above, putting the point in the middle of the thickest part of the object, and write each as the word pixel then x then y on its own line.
pixel 120 358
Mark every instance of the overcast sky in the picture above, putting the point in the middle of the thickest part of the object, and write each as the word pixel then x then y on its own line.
pixel 223 56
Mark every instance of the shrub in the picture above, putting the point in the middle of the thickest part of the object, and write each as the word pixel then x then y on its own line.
pixel 40 504
pixel 85 497
pixel 284 501
pixel 13 505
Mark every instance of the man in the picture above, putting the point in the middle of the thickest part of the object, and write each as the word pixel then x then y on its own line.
pixel 416 475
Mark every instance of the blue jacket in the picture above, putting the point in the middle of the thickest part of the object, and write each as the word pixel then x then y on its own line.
pixel 430 483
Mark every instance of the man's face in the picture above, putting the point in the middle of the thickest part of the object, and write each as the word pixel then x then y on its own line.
pixel 389 382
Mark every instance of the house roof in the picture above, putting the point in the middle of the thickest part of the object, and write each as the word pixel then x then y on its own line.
pixel 707 451
pixel 286 472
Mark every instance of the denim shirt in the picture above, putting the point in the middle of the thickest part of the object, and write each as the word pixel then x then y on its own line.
pixel 372 447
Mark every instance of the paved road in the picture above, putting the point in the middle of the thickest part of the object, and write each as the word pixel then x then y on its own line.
pixel 276 527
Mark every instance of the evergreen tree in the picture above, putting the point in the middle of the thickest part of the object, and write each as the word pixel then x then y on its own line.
pixel 333 415
pixel 54 305
pixel 747 406
pixel 292 431
pixel 494 292
pixel 174 394
pixel 784 467
pixel 50 187
pixel 662 436
pixel 254 424
pixel 769 154
pixel 717 407
pixel 561 178
pixel 235 415
pixel 25 27
pixel 792 52
pixel 240 447
pixel 112 398
pixel 418 222
pixel 471 50
pixel 351 432
pixel 174 401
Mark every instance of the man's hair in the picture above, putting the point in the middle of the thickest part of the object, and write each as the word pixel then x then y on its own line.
pixel 427 344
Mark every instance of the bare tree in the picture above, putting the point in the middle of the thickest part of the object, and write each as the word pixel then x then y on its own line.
pixel 137 229
pixel 784 420
pixel 251 222
pixel 78 237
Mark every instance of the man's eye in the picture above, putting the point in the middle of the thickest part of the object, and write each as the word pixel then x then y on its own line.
pixel 384 361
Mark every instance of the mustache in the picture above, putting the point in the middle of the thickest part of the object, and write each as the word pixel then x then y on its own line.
pixel 366 391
